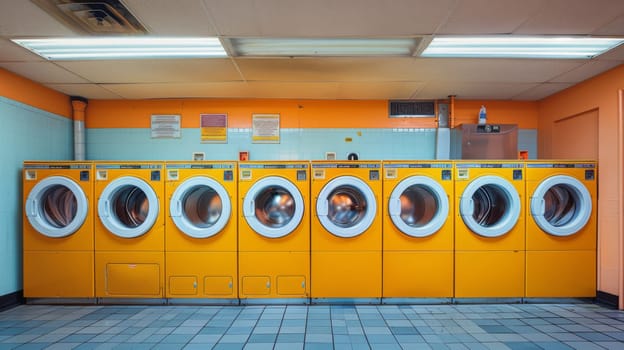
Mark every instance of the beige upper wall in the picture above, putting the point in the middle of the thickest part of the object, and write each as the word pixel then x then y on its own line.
pixel 597 94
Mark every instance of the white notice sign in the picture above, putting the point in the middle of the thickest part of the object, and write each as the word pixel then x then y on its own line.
pixel 166 126
pixel 266 128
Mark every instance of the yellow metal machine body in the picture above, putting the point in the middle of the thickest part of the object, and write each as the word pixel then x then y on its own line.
pixel 418 235
pixel 201 230
pixel 274 231
pixel 489 229
pixel 129 230
pixel 58 230
pixel 561 228
pixel 346 230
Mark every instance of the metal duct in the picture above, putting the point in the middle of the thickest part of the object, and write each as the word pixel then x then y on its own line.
pixel 79 106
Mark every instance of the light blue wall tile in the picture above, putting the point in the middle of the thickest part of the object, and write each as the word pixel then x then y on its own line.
pixel 295 144
pixel 527 141
pixel 27 133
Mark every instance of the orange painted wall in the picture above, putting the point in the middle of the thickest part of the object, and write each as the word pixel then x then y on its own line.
pixel 599 93
pixel 26 91
pixel 523 113
pixel 297 113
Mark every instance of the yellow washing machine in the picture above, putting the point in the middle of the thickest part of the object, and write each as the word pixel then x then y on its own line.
pixel 417 230
pixel 129 230
pixel 201 232
pixel 346 231
pixel 561 228
pixel 489 229
pixel 58 230
pixel 274 231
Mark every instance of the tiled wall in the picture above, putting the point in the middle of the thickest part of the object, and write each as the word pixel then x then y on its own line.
pixel 295 144
pixel 26 133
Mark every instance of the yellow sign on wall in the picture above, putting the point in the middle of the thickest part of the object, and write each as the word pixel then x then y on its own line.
pixel 213 128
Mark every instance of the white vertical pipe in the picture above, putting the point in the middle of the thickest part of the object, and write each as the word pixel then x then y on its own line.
pixel 79 105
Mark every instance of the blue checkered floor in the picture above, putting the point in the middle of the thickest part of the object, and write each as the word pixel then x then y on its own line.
pixel 492 326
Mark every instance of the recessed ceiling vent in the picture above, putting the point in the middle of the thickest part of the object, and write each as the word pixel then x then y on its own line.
pixel 411 109
pixel 100 17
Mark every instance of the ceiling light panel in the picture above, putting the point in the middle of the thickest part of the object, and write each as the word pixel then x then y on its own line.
pixel 520 47
pixel 333 47
pixel 112 48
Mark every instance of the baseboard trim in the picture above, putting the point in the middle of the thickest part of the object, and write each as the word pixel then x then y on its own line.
pixel 607 299
pixel 8 301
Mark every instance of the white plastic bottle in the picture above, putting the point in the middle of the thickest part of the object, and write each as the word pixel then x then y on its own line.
pixel 482 115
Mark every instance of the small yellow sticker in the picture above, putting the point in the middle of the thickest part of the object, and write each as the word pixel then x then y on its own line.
pixel 245 174
pixel 462 174
pixel 391 173
pixel 318 174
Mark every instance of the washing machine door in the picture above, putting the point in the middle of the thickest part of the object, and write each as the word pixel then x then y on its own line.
pixel 273 207
pixel 56 207
pixel 561 205
pixel 490 206
pixel 346 206
pixel 128 207
pixel 418 206
pixel 200 207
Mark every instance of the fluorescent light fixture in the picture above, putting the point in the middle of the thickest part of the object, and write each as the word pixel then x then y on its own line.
pixel 113 48
pixel 289 47
pixel 511 46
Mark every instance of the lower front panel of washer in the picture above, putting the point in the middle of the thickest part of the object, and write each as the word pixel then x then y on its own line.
pixel 354 274
pixel 274 275
pixel 489 274
pixel 561 274
pixel 418 274
pixel 129 275
pixel 58 274
pixel 201 275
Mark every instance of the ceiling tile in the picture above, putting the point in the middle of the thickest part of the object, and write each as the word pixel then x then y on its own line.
pixel 585 71
pixel 228 90
pixel 11 52
pixel 90 91
pixel 23 18
pixel 472 91
pixel 322 18
pixel 541 91
pixel 43 72
pixel 155 71
pixel 615 27
pixel 326 69
pixel 493 16
pixel 491 70
pixel 616 54
pixel 375 90
pixel 166 17
pixel 572 17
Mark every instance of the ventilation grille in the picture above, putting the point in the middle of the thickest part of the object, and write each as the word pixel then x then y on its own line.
pixel 411 109
pixel 101 17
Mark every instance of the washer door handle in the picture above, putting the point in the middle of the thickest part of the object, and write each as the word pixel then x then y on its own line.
pixel 394 206
pixel 250 207
pixel 539 208
pixel 177 208
pixel 323 207
pixel 104 212
pixel 32 205
pixel 468 209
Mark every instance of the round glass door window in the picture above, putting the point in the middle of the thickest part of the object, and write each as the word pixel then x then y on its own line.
pixel 490 206
pixel 273 207
pixel 200 207
pixel 561 205
pixel 418 206
pixel 346 206
pixel 128 207
pixel 56 207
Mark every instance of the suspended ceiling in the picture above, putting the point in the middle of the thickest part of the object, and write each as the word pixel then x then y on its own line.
pixel 324 77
